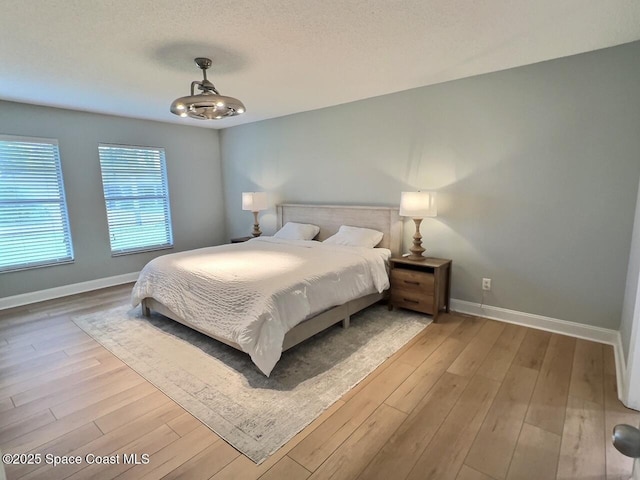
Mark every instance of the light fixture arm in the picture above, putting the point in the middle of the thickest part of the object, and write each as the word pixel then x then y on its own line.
pixel 206 89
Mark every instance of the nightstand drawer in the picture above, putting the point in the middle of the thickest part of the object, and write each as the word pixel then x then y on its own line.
pixel 412 281
pixel 412 301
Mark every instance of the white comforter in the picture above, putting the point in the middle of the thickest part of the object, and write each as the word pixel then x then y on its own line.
pixel 252 293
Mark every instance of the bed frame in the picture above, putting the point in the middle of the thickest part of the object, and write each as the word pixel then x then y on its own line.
pixel 329 218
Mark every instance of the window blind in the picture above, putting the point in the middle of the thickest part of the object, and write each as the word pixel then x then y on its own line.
pixel 34 225
pixel 134 181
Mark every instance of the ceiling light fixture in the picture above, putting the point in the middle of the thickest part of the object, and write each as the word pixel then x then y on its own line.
pixel 208 105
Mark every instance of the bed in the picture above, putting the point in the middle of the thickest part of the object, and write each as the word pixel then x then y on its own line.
pixel 283 322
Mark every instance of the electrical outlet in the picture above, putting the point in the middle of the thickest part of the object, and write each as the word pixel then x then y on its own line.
pixel 486 284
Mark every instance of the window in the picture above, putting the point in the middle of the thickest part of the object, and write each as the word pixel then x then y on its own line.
pixel 34 225
pixel 136 195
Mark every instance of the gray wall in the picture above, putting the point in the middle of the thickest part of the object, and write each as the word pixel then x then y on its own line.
pixel 631 290
pixel 536 167
pixel 194 176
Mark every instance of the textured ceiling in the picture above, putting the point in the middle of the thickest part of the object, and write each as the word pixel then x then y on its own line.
pixel 134 57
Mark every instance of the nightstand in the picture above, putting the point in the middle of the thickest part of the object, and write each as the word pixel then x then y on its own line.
pixel 423 286
pixel 240 239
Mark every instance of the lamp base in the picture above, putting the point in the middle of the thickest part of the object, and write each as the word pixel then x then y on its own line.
pixel 417 250
pixel 256 227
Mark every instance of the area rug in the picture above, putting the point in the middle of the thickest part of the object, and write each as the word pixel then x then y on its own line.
pixel 221 387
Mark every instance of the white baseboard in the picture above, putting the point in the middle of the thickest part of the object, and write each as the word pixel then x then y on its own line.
pixel 549 324
pixel 65 290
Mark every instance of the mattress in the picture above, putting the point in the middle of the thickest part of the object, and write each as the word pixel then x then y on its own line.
pixel 253 293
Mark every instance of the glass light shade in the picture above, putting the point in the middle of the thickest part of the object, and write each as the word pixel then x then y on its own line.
pixel 254 201
pixel 418 204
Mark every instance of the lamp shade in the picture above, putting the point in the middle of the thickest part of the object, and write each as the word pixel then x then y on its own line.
pixel 418 204
pixel 254 201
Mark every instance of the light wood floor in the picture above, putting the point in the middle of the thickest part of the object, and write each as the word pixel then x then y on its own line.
pixel 467 399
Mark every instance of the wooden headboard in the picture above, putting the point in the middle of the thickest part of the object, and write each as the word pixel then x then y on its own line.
pixel 330 217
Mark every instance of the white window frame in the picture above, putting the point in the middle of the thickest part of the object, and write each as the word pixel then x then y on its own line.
pixel 110 165
pixel 44 167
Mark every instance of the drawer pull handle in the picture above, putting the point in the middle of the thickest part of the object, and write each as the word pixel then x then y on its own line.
pixel 411 283
pixel 410 300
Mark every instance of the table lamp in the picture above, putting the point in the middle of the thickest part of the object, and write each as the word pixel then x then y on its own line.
pixel 254 202
pixel 418 205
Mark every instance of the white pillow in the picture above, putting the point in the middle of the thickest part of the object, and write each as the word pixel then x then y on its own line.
pixel 355 237
pixel 297 231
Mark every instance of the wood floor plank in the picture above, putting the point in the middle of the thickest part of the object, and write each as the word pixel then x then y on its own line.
pixel 148 444
pixel 173 455
pixel 184 424
pixel 63 341
pixel 70 422
pixel 12 415
pixel 59 327
pixel 477 350
pixel 582 453
pixel 435 334
pixel 92 351
pixel 536 454
pixel 16 316
pixel 587 374
pixel 609 360
pixel 44 386
pixel 48 368
pixel 109 404
pixel 493 447
pixel 33 326
pixel 468 328
pixel 64 392
pixel 131 411
pixel 398 456
pixel 206 463
pixel 498 361
pixel 8 350
pixel 17 354
pixel 105 444
pixel 314 449
pixel 356 452
pixel 286 468
pixel 446 452
pixel 468 473
pixel 62 445
pixel 411 392
pixel 532 350
pixel 6 404
pixel 27 383
pixel 549 400
pixel 116 394
pixel 26 425
pixel 32 363
pixel 83 347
